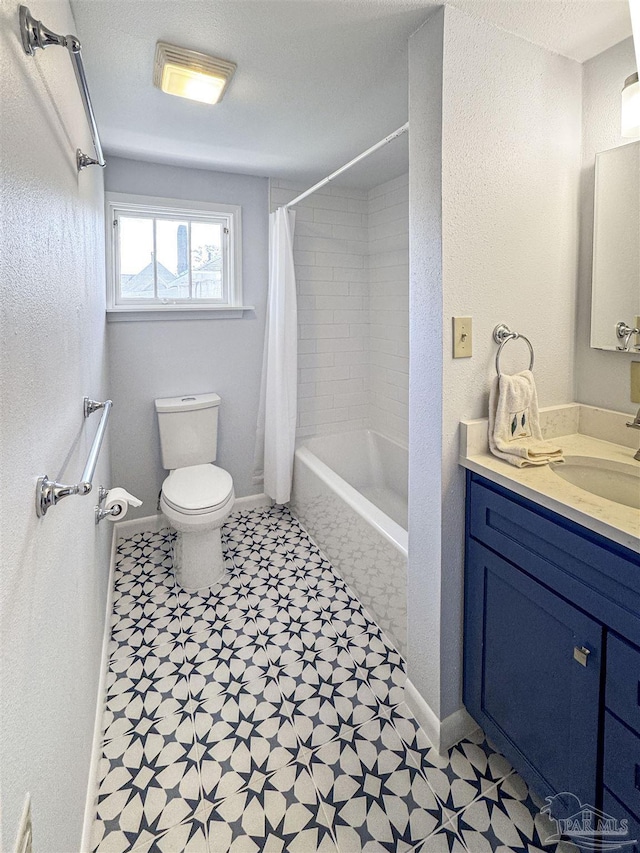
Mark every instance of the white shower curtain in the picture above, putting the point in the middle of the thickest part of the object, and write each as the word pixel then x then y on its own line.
pixel 276 434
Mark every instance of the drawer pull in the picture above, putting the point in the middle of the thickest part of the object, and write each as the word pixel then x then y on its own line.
pixel 581 654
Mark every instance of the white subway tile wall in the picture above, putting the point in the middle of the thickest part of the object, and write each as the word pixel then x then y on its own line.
pixel 388 266
pixel 351 258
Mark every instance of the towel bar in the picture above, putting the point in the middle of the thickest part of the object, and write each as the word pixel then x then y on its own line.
pixel 502 334
pixel 49 492
pixel 36 36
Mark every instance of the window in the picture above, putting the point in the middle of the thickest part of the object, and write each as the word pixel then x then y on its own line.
pixel 167 256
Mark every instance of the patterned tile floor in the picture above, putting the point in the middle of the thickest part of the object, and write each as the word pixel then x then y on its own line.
pixel 268 715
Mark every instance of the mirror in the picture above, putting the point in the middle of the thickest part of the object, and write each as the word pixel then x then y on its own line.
pixel 616 249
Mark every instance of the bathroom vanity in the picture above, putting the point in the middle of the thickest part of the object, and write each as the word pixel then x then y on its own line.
pixel 552 621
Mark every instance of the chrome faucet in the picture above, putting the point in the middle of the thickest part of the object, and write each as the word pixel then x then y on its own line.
pixel 635 424
pixel 626 332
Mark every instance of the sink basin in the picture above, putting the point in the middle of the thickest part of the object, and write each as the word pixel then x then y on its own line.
pixel 615 481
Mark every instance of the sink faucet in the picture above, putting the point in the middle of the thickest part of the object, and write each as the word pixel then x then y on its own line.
pixel 635 424
pixel 626 332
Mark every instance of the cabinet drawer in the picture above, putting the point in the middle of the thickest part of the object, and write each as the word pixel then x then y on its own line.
pixel 622 763
pixel 594 575
pixel 613 808
pixel 622 693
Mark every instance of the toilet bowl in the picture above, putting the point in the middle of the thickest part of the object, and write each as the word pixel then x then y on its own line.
pixel 197 501
pixel 197 496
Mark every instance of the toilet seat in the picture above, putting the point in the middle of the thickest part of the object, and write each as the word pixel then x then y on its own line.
pixel 197 489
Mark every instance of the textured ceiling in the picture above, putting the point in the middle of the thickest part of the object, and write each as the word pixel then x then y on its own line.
pixel 318 81
pixel 579 29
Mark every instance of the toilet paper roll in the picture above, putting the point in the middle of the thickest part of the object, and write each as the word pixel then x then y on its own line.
pixel 117 503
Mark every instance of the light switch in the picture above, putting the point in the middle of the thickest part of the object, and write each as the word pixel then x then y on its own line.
pixel 462 337
pixel 635 380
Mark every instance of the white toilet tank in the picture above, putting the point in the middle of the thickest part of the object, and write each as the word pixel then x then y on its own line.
pixel 188 430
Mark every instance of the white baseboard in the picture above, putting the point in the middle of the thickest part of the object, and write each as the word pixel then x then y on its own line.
pixel 252 502
pixel 153 523
pixel 443 734
pixel 148 524
pixel 96 747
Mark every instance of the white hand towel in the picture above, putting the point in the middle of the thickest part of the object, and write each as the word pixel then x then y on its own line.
pixel 514 422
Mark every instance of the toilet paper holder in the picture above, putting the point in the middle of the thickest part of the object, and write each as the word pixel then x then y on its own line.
pixel 114 503
pixel 101 512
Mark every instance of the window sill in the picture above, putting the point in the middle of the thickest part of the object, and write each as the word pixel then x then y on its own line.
pixel 136 315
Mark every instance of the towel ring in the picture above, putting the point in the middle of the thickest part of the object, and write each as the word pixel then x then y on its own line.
pixel 502 334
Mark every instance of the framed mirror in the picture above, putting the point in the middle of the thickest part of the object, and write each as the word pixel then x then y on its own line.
pixel 616 250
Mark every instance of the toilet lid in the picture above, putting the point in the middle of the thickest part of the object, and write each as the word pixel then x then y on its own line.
pixel 198 488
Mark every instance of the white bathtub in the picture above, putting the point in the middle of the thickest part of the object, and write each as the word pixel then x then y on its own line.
pixel 350 493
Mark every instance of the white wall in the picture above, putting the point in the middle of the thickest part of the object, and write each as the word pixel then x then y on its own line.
pixel 510 168
pixel 165 358
pixel 54 570
pixel 602 377
pixel 330 254
pixel 388 278
pixel 424 572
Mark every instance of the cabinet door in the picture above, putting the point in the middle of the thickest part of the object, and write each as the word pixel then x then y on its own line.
pixel 527 682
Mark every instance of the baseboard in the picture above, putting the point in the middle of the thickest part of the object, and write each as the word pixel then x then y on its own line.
pixel 443 734
pixel 147 524
pixel 153 523
pixel 96 747
pixel 252 502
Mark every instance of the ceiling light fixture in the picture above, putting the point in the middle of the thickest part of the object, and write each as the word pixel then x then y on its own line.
pixel 189 74
pixel 630 111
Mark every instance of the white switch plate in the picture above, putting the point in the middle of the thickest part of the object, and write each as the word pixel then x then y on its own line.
pixel 462 337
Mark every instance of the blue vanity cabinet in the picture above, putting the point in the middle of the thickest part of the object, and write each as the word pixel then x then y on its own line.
pixel 552 649
pixel 524 684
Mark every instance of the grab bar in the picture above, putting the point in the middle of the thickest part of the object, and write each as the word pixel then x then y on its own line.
pixel 49 492
pixel 35 35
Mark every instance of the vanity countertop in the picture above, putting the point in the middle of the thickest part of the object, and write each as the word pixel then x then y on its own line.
pixel 542 485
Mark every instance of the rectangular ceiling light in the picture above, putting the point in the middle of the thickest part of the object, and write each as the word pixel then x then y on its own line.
pixel 189 74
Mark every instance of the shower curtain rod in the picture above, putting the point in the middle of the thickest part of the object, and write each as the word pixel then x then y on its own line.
pixel 324 181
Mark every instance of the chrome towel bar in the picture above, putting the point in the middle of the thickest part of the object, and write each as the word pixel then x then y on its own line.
pixel 49 492
pixel 502 334
pixel 35 35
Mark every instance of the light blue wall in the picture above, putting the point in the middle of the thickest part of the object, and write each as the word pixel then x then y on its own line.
pixel 165 358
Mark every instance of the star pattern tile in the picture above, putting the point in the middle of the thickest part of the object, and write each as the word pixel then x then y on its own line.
pixel 267 715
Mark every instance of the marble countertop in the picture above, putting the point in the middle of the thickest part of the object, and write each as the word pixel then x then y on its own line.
pixel 543 486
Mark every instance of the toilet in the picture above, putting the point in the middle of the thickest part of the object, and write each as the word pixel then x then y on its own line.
pixel 197 496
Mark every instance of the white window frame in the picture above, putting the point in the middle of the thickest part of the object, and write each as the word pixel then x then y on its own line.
pixel 229 215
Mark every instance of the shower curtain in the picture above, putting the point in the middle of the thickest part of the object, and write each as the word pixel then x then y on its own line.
pixel 277 413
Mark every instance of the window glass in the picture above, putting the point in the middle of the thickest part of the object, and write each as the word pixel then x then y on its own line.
pixel 136 258
pixel 207 260
pixel 172 247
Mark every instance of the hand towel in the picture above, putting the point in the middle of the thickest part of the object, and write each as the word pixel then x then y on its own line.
pixel 514 422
